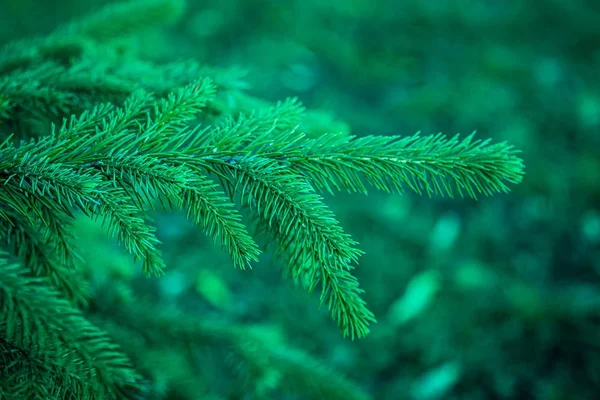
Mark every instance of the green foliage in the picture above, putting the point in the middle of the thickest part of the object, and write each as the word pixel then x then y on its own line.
pixel 127 140
pixel 42 333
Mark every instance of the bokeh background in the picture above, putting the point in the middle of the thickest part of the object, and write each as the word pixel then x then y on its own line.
pixel 491 299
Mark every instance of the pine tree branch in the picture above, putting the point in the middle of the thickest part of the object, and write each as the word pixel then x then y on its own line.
pixel 309 235
pixel 427 165
pixel 45 255
pixel 37 319
pixel 133 160
pixel 123 220
pixel 22 370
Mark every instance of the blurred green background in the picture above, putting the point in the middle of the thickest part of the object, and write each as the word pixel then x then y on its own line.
pixel 491 299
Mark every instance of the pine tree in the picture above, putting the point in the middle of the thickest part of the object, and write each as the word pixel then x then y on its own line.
pixel 88 129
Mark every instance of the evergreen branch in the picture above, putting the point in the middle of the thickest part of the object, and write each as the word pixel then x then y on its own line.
pixel 210 209
pixel 22 370
pixel 86 123
pixel 31 171
pixel 241 134
pixel 308 234
pixel 112 154
pixel 182 186
pixel 427 165
pixel 45 257
pixel 56 231
pixel 339 288
pixel 122 218
pixel 37 319
pixel 141 154
pixel 267 163
pixel 147 177
pixel 341 293
pixel 302 217
pixel 95 131
pixel 431 165
pixel 307 231
pixel 46 184
pixel 180 107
